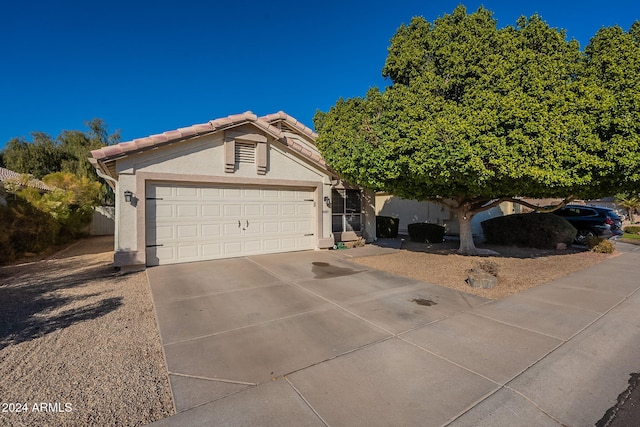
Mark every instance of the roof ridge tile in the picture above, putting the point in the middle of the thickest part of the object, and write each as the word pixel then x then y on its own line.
pixel 264 122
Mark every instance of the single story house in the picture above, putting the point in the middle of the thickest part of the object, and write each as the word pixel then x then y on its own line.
pixel 235 186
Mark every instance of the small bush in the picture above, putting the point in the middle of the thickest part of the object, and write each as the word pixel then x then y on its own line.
pixel 426 233
pixel 25 229
pixel 632 229
pixel 387 227
pixel 600 245
pixel 532 230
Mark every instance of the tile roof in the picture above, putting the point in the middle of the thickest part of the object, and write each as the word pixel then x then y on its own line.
pixel 6 174
pixel 281 115
pixel 265 123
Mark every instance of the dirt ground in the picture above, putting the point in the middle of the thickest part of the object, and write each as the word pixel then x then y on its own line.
pixel 79 344
pixel 517 269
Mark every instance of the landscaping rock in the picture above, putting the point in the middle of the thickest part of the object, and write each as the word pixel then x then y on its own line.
pixel 561 247
pixel 479 278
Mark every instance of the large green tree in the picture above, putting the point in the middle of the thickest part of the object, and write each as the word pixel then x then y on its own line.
pixel 68 152
pixel 477 115
pixel 39 157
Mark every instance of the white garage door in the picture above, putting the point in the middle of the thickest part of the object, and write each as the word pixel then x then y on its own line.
pixel 197 222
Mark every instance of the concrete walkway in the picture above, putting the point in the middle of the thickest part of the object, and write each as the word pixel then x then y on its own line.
pixel 312 339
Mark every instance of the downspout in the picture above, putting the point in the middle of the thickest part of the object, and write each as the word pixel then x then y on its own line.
pixel 116 207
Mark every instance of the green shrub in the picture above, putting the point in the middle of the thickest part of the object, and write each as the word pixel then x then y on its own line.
pixel 423 232
pixel 6 249
pixel 25 229
pixel 387 227
pixel 532 230
pixel 600 245
pixel 632 229
pixel 33 222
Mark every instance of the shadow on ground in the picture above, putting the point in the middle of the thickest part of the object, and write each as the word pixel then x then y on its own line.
pixel 451 244
pixel 33 303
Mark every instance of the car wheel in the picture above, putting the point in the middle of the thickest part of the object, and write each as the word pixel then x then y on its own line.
pixel 583 235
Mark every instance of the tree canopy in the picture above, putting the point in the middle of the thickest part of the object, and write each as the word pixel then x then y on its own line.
pixel 476 115
pixel 68 152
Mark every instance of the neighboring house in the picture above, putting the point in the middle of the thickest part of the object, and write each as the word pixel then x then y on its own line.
pixel 410 211
pixel 9 177
pixel 235 186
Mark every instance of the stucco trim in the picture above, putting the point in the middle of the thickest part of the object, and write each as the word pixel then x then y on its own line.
pixel 143 178
pixel 113 153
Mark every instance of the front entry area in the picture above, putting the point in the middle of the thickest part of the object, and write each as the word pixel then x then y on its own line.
pixel 196 222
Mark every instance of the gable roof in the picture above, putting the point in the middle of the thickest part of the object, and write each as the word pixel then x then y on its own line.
pixel 7 174
pixel 270 124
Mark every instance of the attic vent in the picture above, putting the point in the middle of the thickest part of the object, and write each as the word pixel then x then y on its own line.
pixel 245 152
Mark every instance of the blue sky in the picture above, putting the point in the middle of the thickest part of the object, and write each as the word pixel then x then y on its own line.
pixel 146 67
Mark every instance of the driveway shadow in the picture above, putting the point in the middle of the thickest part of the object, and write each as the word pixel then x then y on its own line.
pixel 33 303
pixel 451 244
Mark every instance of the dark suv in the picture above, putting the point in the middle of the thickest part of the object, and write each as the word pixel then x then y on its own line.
pixel 591 221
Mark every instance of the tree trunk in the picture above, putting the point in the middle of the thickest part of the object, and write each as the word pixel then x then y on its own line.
pixel 467 246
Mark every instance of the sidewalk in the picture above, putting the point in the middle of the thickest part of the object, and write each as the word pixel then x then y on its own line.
pixel 558 354
pixel 579 380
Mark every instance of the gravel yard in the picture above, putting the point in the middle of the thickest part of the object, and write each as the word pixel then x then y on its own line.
pixel 518 269
pixel 79 343
pixel 81 340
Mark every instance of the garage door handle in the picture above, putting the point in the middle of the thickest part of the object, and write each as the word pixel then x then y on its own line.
pixel 239 225
pixel 247 223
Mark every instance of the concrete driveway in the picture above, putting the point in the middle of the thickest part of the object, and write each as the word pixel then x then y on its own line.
pixel 309 338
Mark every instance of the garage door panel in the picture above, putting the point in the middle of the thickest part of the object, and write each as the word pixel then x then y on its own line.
pixel 289 243
pixel 288 226
pixel 156 191
pixel 303 241
pixel 231 193
pixel 187 231
pixel 163 253
pixel 232 210
pixel 253 210
pixel 288 209
pixel 164 212
pixel 270 227
pixel 211 211
pixel 231 229
pixel 197 222
pixel 212 250
pixel 187 211
pixel 271 244
pixel 211 193
pixel 187 192
pixel 305 210
pixel 188 252
pixel 253 246
pixel 232 248
pixel 304 226
pixel 252 194
pixel 270 209
pixel 162 232
pixel 211 230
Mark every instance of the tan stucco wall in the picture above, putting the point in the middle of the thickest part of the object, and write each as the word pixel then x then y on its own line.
pixel 202 160
pixel 453 227
pixel 410 211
